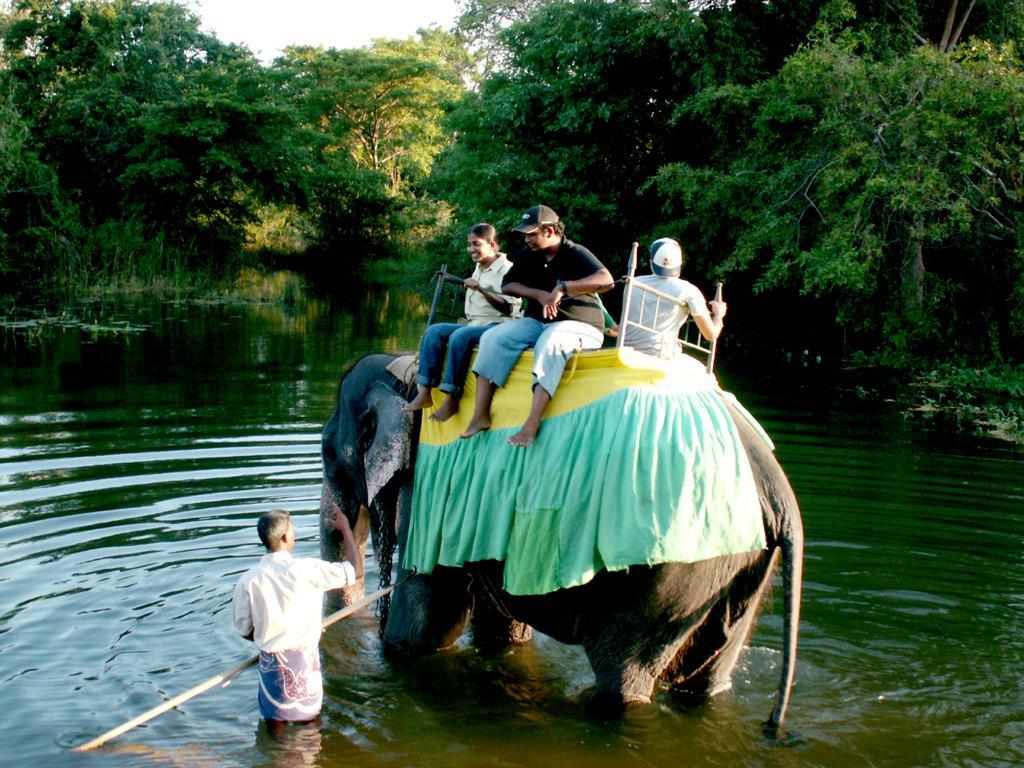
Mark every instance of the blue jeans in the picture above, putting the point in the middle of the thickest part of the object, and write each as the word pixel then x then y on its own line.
pixel 554 344
pixel 459 340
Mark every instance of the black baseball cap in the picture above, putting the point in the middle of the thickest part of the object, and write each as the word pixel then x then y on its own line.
pixel 537 216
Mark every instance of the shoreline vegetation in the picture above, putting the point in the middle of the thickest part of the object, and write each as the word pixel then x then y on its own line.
pixel 851 170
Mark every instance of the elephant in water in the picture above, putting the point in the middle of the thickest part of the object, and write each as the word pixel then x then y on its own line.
pixel 683 624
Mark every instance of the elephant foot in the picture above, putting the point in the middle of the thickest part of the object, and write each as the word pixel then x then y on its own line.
pixel 612 705
pixel 627 684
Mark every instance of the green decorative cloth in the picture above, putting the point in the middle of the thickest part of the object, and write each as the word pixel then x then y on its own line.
pixel 639 476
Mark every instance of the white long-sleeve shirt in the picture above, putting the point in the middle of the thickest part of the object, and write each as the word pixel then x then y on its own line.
pixel 280 600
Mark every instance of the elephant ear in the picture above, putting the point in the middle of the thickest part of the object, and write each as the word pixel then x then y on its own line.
pixel 386 440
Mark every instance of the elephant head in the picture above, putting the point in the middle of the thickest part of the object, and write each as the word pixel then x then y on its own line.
pixel 367 451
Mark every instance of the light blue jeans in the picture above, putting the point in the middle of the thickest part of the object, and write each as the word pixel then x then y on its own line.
pixel 553 344
pixel 458 341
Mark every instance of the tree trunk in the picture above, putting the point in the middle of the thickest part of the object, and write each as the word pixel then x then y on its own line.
pixel 913 271
pixel 948 29
pixel 951 35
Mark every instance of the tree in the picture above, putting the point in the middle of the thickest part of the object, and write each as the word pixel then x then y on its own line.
pixel 579 118
pixel 944 24
pixel 34 218
pixel 83 70
pixel 204 162
pixel 373 120
pixel 158 132
pixel 382 105
pixel 890 191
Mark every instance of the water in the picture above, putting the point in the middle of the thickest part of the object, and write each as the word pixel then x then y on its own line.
pixel 133 467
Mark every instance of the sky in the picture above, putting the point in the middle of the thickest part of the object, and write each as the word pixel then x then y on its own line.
pixel 267 26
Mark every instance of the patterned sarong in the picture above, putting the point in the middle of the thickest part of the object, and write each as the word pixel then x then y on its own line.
pixel 291 687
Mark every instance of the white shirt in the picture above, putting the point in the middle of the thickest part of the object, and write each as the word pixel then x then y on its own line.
pixel 280 600
pixel 478 310
pixel 665 317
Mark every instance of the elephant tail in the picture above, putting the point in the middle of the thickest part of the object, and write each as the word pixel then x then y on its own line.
pixel 791 541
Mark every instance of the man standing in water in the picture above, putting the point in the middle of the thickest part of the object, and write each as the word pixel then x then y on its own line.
pixel 560 281
pixel 278 604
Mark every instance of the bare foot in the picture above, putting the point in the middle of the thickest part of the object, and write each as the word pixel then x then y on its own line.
pixel 475 426
pixel 524 437
pixel 449 407
pixel 421 401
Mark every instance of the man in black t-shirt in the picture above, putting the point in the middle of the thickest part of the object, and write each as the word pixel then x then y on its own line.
pixel 560 281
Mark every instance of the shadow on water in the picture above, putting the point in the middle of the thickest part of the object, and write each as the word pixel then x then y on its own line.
pixel 134 464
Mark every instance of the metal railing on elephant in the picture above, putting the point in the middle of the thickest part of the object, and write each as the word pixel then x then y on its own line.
pixel 446 306
pixel 690 338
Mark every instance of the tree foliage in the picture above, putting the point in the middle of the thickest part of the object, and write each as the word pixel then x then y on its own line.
pixel 890 191
pixel 372 121
pixel 32 207
pixel 854 167
pixel 579 118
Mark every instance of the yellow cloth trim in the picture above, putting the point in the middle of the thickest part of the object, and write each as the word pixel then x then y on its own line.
pixel 588 378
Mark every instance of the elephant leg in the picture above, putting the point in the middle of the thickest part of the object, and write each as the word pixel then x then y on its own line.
pixel 628 664
pixel 704 665
pixel 428 612
pixel 493 632
pixel 492 625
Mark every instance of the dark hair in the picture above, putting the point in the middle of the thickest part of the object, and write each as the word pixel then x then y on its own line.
pixel 484 230
pixel 272 526
pixel 557 226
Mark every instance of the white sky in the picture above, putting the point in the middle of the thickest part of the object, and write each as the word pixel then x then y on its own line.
pixel 267 26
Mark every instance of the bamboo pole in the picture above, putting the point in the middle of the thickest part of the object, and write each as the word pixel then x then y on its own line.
pixel 222 679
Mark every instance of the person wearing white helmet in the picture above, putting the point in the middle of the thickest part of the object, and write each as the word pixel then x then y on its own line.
pixel 663 319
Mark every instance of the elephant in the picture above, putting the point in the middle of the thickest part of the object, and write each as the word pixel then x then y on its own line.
pixel 683 625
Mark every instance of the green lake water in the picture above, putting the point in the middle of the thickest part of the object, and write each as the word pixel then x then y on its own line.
pixel 133 466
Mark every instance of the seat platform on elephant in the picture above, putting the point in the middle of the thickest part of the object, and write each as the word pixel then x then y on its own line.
pixel 638 461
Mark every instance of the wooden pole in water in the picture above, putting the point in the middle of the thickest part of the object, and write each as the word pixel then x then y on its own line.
pixel 222 679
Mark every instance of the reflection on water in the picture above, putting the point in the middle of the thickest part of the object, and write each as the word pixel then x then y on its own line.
pixel 289 746
pixel 133 466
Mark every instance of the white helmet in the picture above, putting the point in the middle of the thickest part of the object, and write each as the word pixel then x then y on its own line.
pixel 666 257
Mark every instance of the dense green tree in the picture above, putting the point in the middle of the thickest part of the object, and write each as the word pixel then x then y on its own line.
pixel 166 139
pixel 83 72
pixel 204 162
pixel 35 219
pixel 382 105
pixel 373 119
pixel 889 191
pixel 579 118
